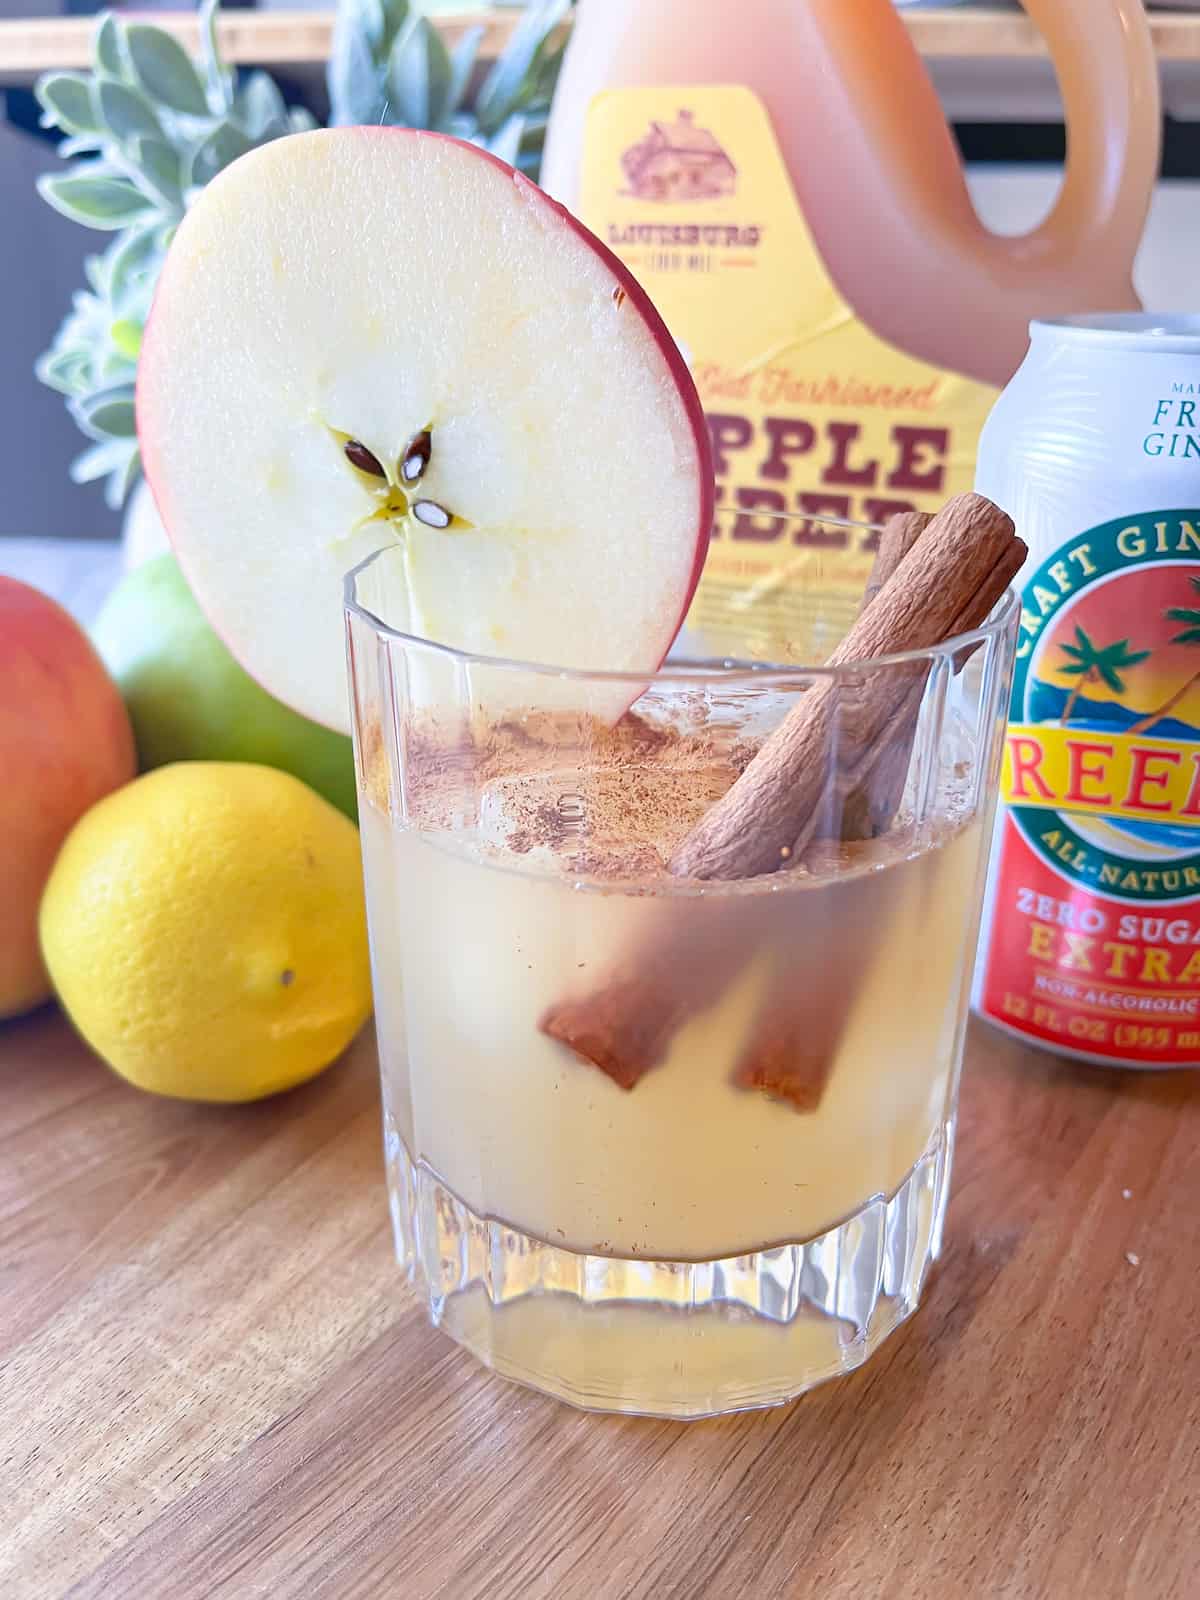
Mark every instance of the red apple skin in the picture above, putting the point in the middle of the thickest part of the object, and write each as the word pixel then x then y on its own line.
pixel 529 190
pixel 65 742
pixel 678 367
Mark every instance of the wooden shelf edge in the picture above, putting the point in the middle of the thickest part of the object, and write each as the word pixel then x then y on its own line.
pixel 1010 35
pixel 29 46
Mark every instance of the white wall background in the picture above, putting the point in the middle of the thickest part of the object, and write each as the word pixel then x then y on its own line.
pixel 1013 199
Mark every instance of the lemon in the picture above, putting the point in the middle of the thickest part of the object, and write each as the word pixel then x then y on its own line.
pixel 204 928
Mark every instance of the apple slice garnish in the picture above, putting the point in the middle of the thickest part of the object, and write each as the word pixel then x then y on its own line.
pixel 365 337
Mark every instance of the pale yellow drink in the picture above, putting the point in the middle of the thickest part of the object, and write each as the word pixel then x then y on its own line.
pixel 690 1164
pixel 657 1144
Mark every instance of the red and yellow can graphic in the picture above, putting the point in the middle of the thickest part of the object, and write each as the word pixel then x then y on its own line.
pixel 1092 930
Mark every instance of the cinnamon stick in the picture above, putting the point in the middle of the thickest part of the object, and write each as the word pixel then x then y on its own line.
pixel 948 583
pixel 794 1042
pixel 791 1048
pixel 819 952
pixel 627 1026
pixel 869 809
pixel 896 539
pixel 947 577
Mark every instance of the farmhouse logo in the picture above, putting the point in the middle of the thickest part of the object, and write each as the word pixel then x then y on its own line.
pixel 678 162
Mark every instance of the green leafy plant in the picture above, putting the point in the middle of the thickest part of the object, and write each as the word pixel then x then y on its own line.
pixel 389 64
pixel 147 128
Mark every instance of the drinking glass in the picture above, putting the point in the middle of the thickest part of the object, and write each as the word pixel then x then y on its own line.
pixel 659 1144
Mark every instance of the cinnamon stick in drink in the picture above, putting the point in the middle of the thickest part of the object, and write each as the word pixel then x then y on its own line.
pixel 818 962
pixel 896 539
pixel 948 583
pixel 868 810
pixel 790 1051
pixel 627 1027
pixel 790 794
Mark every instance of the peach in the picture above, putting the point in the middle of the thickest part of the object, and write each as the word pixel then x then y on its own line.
pixel 65 742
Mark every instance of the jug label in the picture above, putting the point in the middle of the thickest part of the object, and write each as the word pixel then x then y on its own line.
pixel 812 415
pixel 1096 901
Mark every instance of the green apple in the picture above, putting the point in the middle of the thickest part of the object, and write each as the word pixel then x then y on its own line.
pixel 189 700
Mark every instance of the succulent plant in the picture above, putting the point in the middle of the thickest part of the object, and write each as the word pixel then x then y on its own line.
pixel 147 128
pixel 389 64
pixel 151 129
pixel 93 360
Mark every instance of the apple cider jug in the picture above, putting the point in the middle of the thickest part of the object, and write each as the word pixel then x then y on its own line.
pixel 780 176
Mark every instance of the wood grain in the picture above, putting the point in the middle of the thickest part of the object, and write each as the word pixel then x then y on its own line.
pixel 213 1384
pixel 278 38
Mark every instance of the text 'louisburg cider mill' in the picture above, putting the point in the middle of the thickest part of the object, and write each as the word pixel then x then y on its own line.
pixel 780 176
pixel 1092 932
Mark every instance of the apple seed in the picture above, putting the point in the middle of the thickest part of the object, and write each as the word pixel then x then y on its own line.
pixel 416 457
pixel 359 456
pixel 431 514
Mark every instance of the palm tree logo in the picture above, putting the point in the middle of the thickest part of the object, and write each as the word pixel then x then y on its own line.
pixel 1189 634
pixel 1097 664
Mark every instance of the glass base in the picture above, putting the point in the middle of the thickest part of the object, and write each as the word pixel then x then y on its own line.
pixel 668 1338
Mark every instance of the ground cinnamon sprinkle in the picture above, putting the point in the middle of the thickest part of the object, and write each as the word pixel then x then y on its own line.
pixel 608 802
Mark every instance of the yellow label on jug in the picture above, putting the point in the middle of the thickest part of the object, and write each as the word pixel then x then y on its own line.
pixel 812 415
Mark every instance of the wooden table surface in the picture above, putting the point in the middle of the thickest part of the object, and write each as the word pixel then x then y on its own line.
pixel 213 1384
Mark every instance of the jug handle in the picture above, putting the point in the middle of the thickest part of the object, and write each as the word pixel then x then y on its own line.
pixel 1108 77
pixel 888 148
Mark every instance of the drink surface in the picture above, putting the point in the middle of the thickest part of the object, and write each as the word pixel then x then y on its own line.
pixel 852 967
pixel 781 178
pixel 1092 928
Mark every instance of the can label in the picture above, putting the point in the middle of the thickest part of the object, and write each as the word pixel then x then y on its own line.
pixel 1095 906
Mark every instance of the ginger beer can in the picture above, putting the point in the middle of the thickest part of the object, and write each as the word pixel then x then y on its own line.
pixel 1091 932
